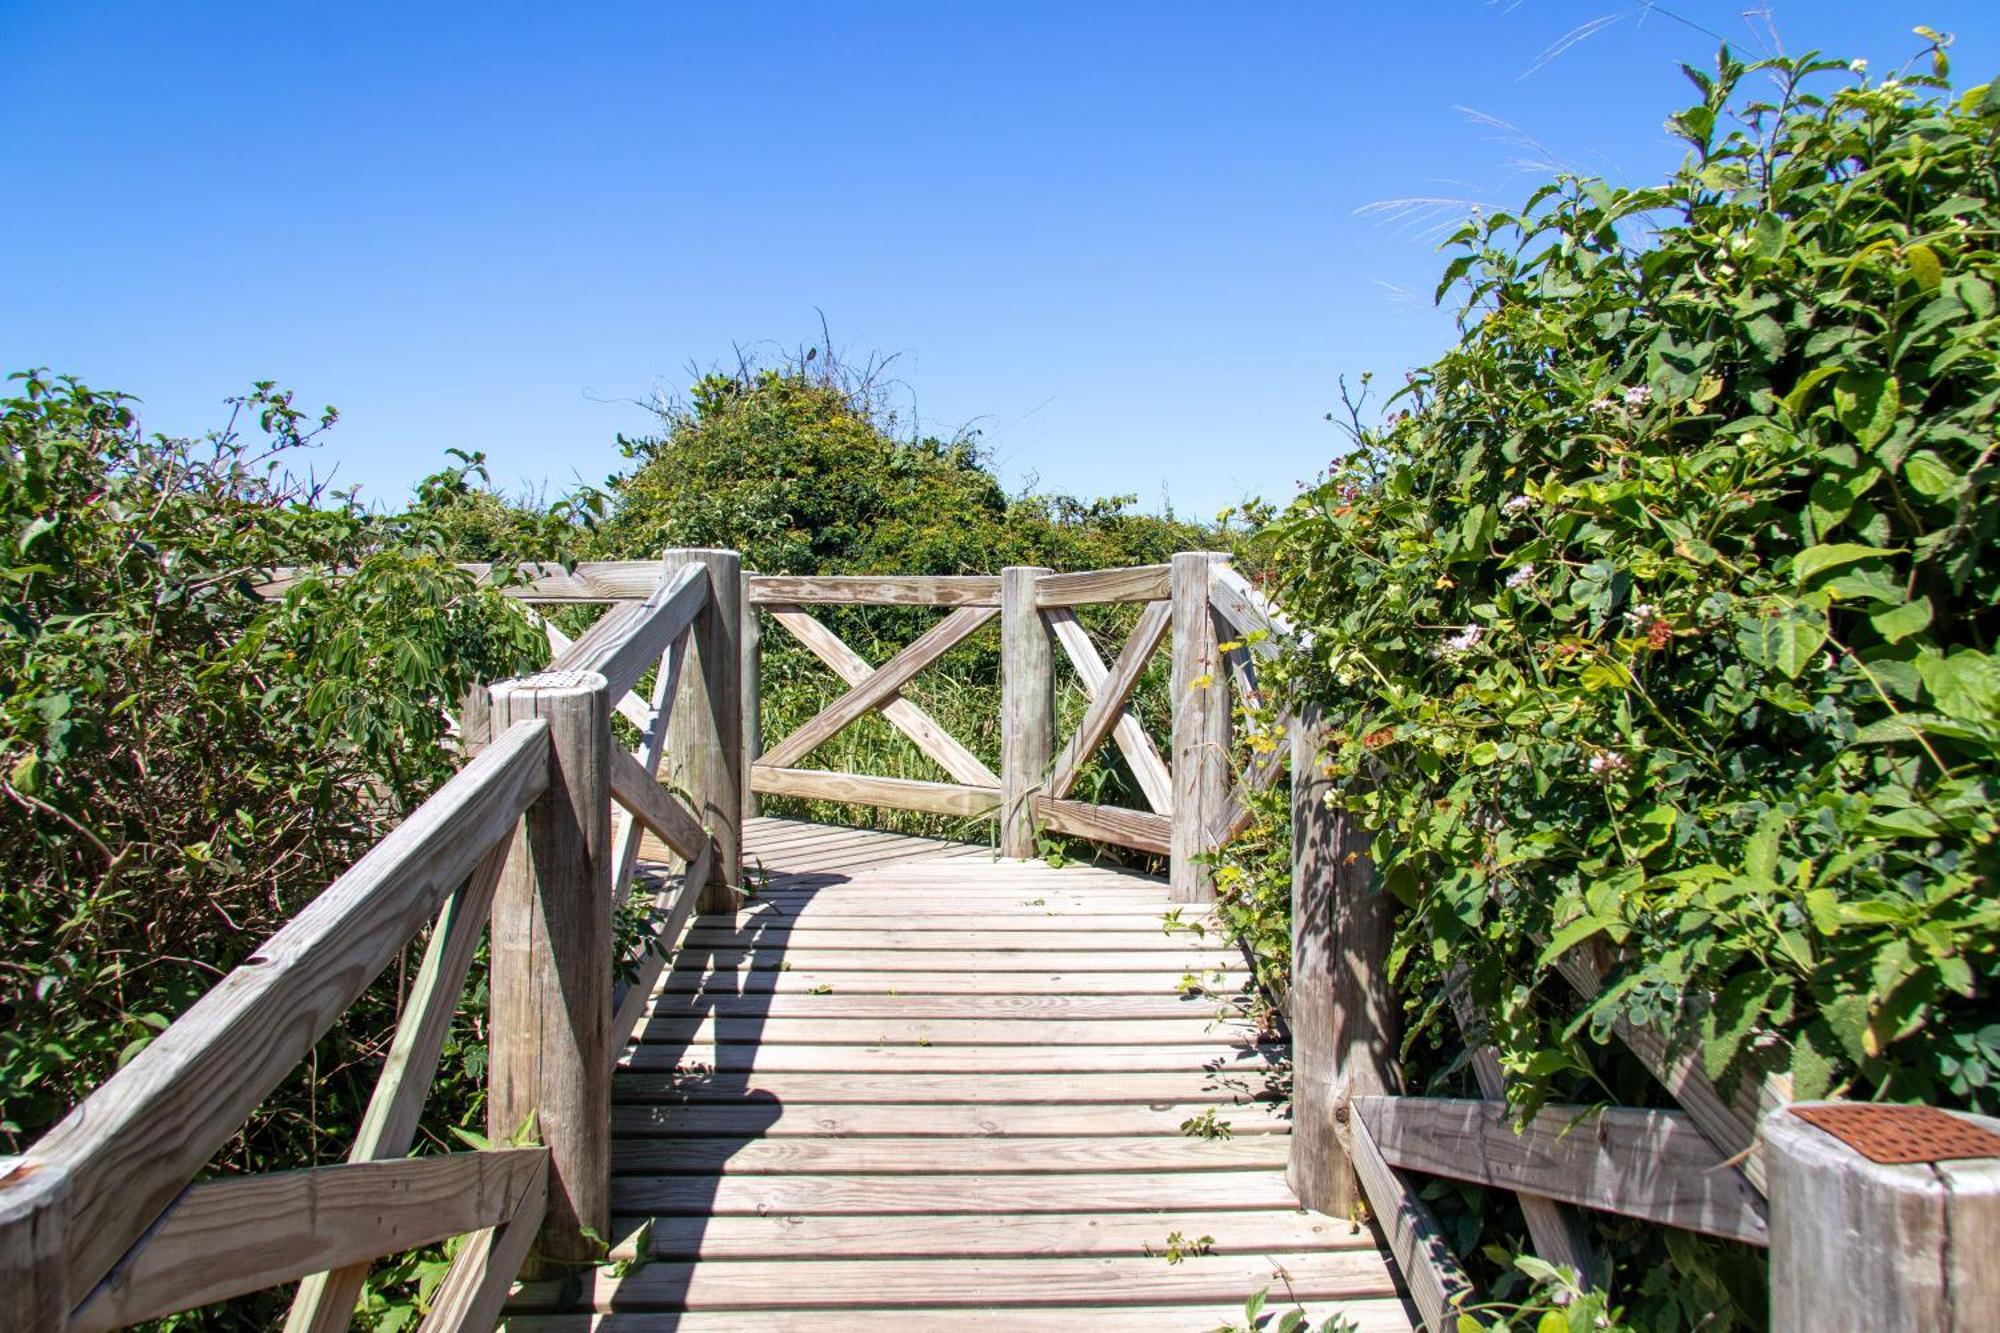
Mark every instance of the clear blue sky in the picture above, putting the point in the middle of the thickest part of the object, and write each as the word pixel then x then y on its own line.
pixel 1127 242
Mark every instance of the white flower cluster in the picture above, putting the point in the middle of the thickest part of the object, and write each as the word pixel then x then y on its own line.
pixel 1607 762
pixel 1517 504
pixel 1640 614
pixel 1464 641
pixel 1522 576
pixel 1638 396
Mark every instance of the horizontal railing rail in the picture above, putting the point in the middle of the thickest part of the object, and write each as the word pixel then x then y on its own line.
pixel 104 1222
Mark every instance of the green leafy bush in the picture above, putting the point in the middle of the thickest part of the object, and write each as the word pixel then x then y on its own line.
pixel 185 763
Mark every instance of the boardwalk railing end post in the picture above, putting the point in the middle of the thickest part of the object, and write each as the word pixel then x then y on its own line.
pixel 1027 707
pixel 706 732
pixel 1201 726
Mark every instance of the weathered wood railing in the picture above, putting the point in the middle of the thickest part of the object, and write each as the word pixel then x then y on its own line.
pixel 103 1222
pixel 1854 1244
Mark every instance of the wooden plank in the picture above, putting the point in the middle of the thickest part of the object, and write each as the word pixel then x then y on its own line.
pixel 890 1155
pixel 629 1000
pixel 1109 688
pixel 629 638
pixel 277 1227
pixel 876 590
pixel 966 1235
pixel 1200 701
pixel 476 1285
pixel 130 1146
pixel 750 679
pixel 917 1193
pixel 325 1301
pixel 1560 1237
pixel 1107 823
pixel 775 934
pixel 1018 909
pixel 654 806
pixel 903 714
pixel 1042 1089
pixel 550 950
pixel 1027 707
pixel 1181 1031
pixel 1860 1245
pixel 1342 1010
pixel 1170 961
pixel 628 705
pixel 766 1057
pixel 1650 1164
pixel 34 1224
pixel 939 798
pixel 628 834
pixel 705 733
pixel 954 1008
pixel 795 1119
pixel 1436 1282
pixel 1094 587
pixel 837 1283
pixel 1730 1123
pixel 1384 1314
pixel 936 981
pixel 887 680
pixel 588 581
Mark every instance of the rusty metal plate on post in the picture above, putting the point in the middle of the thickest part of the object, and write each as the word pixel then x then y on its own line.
pixel 1902 1135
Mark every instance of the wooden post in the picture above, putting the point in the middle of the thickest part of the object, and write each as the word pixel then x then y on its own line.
pixel 1201 728
pixel 705 733
pixel 34 1218
pixel 550 1011
pixel 753 694
pixel 1027 707
pixel 1857 1245
pixel 1342 1016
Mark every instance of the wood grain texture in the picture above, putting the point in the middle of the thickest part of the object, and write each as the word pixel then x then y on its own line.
pixel 1856 1245
pixel 325 1301
pixel 133 1144
pixel 1649 1164
pixel 1201 727
pixel 475 1287
pixel 874 590
pixel 1342 1012
pixel 549 982
pixel 1004 1236
pixel 986 1120
pixel 877 1058
pixel 274 1228
pixel 700 1029
pixel 936 1156
pixel 630 637
pixel 1436 1283
pixel 888 679
pixel 34 1225
pixel 1560 1237
pixel 1203 1087
pixel 705 734
pixel 653 806
pixel 921 1008
pixel 837 1283
pixel 1385 1314
pixel 948 977
pixel 1731 1123
pixel 1246 611
pixel 1106 823
pixel 916 1193
pixel 751 676
pixel 627 833
pixel 1109 688
pixel 1096 587
pixel 939 798
pixel 1027 708
pixel 923 730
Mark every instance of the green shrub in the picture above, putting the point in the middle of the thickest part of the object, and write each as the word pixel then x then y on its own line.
pixel 1661 616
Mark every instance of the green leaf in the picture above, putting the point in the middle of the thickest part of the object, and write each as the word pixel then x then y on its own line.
pixel 1786 641
pixel 1795 401
pixel 1924 265
pixel 1928 475
pixel 1900 622
pixel 1866 402
pixel 1966 684
pixel 1732 1017
pixel 1816 560
pixel 1573 934
pixel 1814 1062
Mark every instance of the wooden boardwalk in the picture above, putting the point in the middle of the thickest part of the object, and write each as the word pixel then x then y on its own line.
pixel 909 1086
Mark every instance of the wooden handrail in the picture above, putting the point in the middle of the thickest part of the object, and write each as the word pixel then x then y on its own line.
pixel 132 1146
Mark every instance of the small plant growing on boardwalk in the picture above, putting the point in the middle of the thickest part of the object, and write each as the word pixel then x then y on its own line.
pixel 1178 1247
pixel 1206 1125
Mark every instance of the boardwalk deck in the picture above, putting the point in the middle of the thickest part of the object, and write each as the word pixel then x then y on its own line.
pixel 908 1086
